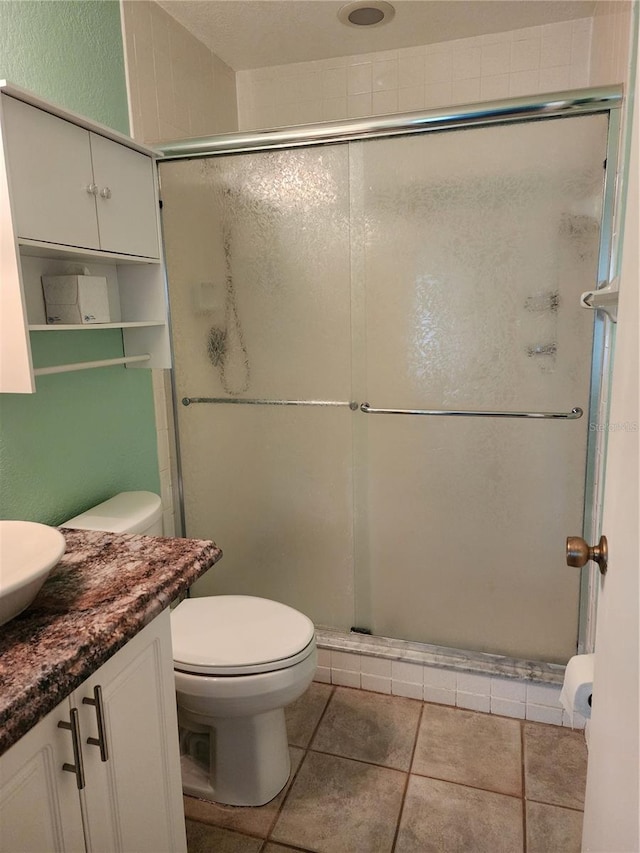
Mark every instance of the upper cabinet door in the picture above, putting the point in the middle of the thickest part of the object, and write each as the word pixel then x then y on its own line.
pixel 126 199
pixel 51 176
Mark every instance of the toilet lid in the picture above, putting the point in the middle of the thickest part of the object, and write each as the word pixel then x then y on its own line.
pixel 237 635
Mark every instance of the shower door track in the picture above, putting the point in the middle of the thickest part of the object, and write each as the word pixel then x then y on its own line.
pixel 563 104
pixel 554 105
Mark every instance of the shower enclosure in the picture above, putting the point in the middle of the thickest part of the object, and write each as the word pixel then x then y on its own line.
pixel 383 374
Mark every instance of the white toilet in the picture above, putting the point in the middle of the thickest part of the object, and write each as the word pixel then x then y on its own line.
pixel 238 660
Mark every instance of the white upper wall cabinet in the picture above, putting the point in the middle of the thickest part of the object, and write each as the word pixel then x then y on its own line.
pixel 75 187
pixel 75 198
pixel 50 167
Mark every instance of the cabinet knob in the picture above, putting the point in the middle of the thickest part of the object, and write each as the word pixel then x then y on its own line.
pixel 105 192
pixel 92 189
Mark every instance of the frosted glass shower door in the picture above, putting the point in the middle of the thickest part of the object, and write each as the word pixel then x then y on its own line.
pixel 258 264
pixel 476 245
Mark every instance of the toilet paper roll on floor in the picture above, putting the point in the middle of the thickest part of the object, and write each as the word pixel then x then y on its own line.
pixel 577 689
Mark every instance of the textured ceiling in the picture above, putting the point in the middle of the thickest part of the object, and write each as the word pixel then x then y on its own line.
pixel 257 33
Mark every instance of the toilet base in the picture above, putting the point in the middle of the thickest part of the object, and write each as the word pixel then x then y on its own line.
pixel 249 757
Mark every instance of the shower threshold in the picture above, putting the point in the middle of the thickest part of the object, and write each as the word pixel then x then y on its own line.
pixel 439 657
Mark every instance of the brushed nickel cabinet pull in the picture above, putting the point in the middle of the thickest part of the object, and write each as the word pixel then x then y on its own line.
pixel 78 766
pixel 101 740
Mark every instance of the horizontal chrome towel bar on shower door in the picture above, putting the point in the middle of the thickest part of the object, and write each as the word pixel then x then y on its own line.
pixel 575 413
pixel 350 404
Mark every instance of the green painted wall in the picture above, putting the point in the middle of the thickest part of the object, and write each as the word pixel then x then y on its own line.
pixel 83 436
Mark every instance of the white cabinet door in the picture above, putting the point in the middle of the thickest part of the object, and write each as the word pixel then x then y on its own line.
pixel 126 199
pixel 50 168
pixel 74 187
pixel 133 800
pixel 39 803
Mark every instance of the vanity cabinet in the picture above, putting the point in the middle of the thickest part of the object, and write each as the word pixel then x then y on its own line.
pixel 39 803
pixel 131 798
pixel 76 198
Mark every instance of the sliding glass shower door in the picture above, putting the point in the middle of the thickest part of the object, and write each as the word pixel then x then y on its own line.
pixel 430 272
pixel 258 264
pixel 476 248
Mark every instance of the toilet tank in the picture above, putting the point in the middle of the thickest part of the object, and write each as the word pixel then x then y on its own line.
pixel 127 512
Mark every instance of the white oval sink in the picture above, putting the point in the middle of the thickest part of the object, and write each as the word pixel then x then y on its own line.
pixel 28 552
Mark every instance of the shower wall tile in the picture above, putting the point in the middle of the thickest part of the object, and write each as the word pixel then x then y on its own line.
pixel 375 683
pixel 411 673
pixel 505 697
pixel 473 702
pixel 441 679
pixel 324 657
pixel 407 689
pixel 507 708
pixel 543 694
pixel 343 678
pixel 177 88
pixel 379 667
pixel 478 684
pixel 442 697
pixel 610 43
pixel 496 59
pixel 508 689
pixel 323 674
pixel 525 55
pixel 383 103
pixel 345 661
pixel 494 87
pixel 544 714
pixel 496 65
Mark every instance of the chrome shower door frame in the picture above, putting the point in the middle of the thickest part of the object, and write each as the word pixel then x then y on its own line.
pixel 525 109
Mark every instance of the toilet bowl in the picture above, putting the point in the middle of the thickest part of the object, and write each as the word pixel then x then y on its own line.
pixel 239 660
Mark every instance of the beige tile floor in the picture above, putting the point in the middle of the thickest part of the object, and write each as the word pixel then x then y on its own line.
pixel 382 774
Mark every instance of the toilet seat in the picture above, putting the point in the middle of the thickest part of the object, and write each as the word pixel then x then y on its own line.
pixel 238 635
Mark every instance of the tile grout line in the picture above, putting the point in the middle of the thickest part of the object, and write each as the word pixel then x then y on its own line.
pixel 307 749
pixel 406 784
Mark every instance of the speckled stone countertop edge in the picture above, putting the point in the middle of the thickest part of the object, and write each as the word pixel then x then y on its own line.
pixel 106 589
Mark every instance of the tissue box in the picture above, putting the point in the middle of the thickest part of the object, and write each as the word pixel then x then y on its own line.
pixel 76 299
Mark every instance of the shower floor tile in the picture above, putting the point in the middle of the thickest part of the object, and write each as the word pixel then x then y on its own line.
pixel 373 773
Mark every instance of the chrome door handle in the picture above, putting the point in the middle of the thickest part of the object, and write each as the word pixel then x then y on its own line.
pixel 579 553
pixel 101 740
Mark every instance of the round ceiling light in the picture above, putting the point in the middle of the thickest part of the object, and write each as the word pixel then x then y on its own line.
pixel 366 13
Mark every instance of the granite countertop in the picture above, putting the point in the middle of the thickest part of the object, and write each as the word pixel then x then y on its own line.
pixel 104 590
